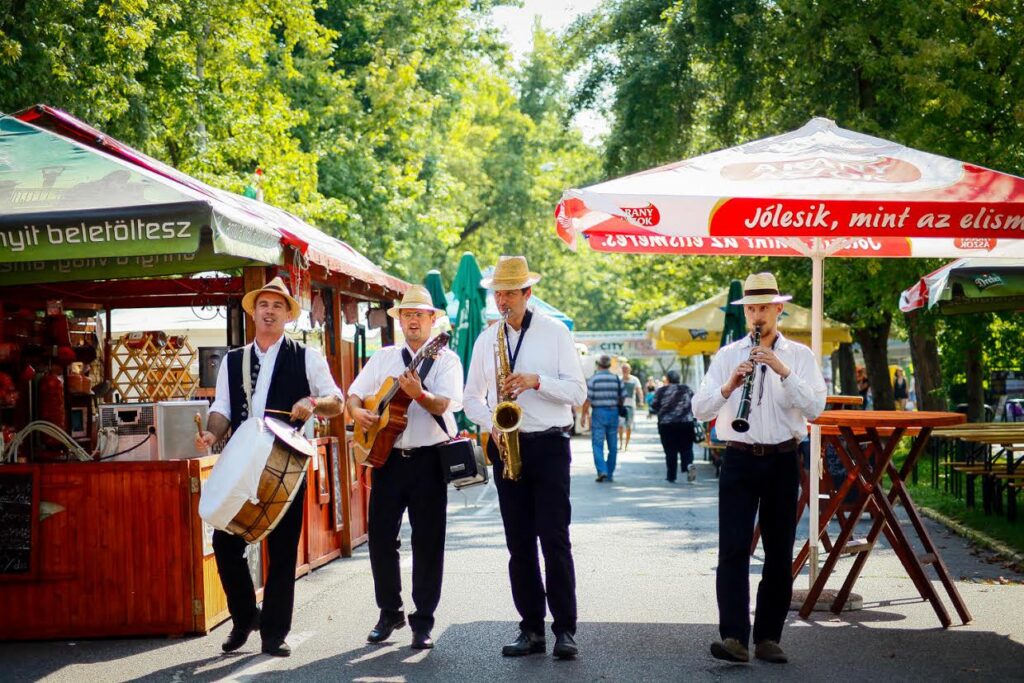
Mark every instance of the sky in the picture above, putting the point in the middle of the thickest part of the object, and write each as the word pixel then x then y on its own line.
pixel 516 24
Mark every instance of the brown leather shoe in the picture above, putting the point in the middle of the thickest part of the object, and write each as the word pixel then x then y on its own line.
pixel 769 651
pixel 730 650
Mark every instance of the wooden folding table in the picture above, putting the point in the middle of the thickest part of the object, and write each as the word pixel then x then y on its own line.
pixel 865 441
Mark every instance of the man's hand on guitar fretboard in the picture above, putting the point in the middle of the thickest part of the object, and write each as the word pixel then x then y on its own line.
pixel 411 385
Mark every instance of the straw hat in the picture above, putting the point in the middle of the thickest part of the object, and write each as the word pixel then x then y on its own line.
pixel 512 272
pixel 416 297
pixel 275 286
pixel 761 288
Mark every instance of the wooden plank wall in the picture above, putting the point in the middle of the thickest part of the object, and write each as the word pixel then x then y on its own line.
pixel 115 561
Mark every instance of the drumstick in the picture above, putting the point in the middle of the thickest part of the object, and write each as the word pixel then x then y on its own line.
pixel 199 424
pixel 279 412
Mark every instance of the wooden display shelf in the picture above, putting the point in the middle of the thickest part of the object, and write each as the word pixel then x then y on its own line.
pixel 152 373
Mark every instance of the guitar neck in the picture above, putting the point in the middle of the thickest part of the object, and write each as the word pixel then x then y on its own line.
pixel 413 364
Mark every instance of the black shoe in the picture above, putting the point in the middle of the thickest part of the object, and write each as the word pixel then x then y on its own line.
pixel 386 624
pixel 526 644
pixel 565 646
pixel 240 634
pixel 276 648
pixel 600 478
pixel 421 640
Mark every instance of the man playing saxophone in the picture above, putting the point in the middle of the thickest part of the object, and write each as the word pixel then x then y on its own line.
pixel 760 469
pixel 542 375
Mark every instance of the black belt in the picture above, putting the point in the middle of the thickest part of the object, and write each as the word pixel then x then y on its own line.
pixel 550 431
pixel 414 452
pixel 760 449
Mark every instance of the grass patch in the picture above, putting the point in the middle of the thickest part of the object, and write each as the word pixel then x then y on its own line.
pixel 995 526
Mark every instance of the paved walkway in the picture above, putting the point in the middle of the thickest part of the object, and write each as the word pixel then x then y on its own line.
pixel 645 557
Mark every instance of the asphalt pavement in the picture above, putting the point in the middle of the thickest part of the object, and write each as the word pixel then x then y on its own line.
pixel 645 552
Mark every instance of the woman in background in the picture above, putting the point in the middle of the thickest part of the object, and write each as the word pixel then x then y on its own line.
pixel 675 426
pixel 899 390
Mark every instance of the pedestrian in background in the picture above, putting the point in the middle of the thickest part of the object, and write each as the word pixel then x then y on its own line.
pixel 631 391
pixel 899 390
pixel 604 390
pixel 675 426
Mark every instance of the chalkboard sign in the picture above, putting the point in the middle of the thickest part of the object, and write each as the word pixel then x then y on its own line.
pixel 17 521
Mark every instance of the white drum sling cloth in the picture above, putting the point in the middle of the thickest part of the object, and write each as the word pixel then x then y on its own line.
pixel 236 474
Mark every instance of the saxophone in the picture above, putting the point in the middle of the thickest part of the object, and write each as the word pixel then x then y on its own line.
pixel 507 414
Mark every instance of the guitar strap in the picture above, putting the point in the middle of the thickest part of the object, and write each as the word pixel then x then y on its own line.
pixel 424 369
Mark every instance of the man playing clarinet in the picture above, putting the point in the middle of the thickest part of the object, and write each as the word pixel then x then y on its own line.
pixel 762 424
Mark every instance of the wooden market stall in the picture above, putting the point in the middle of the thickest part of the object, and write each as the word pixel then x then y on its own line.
pixel 114 547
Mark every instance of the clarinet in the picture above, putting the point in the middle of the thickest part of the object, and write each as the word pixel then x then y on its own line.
pixel 742 423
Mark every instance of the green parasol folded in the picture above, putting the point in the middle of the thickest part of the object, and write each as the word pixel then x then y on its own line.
pixel 435 286
pixel 735 322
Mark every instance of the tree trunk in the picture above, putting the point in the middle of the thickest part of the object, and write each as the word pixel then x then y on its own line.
pixel 874 342
pixel 925 354
pixel 975 389
pixel 847 370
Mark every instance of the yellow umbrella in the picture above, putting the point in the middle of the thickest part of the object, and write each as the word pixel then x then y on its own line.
pixel 697 328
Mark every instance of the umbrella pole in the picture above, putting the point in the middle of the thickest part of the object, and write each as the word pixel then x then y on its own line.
pixel 817 306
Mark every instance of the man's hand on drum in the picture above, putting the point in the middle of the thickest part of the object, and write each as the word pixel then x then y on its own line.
pixel 411 385
pixel 302 410
pixel 204 441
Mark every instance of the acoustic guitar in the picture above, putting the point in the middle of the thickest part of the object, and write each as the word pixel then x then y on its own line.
pixel 373 446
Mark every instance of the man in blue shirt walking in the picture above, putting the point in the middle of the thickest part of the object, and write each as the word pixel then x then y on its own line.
pixel 604 390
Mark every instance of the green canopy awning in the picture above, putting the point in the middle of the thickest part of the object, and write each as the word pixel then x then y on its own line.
pixel 68 211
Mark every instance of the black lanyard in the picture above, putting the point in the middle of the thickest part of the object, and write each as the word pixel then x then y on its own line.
pixel 512 357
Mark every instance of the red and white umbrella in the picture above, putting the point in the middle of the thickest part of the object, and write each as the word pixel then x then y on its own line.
pixel 817 191
pixel 875 197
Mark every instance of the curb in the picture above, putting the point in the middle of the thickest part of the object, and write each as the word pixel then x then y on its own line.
pixel 1004 551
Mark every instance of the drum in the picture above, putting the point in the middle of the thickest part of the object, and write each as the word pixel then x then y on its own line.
pixel 255 479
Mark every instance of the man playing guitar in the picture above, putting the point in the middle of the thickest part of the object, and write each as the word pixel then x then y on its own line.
pixel 411 476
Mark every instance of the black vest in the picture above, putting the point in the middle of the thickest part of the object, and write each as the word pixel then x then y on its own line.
pixel 287 385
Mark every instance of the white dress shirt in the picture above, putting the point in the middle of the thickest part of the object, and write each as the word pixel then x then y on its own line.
pixel 777 415
pixel 443 380
pixel 548 351
pixel 317 374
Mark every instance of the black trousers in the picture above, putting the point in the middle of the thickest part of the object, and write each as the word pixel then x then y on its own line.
pixel 279 591
pixel 677 441
pixel 415 483
pixel 537 507
pixel 766 486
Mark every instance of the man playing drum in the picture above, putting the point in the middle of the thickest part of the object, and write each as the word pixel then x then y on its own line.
pixel 287 380
pixel 412 476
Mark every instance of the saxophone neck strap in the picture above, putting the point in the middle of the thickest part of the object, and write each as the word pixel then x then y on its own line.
pixel 514 356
